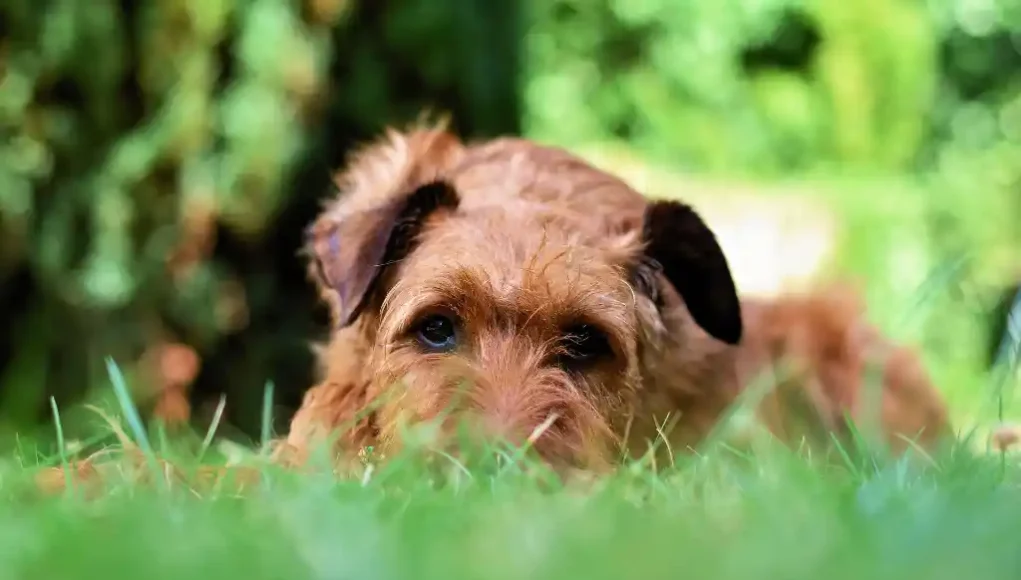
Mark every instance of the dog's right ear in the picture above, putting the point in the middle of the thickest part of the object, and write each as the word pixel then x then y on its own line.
pixel 348 254
pixel 682 248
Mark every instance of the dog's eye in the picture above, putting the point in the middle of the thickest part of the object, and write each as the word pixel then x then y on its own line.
pixel 437 332
pixel 583 343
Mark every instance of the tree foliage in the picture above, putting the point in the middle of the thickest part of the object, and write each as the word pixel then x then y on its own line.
pixel 160 159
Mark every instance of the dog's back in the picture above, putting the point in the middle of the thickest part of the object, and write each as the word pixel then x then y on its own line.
pixel 827 357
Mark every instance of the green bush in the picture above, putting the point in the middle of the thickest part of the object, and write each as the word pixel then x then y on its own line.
pixel 775 86
pixel 163 158
pixel 781 89
pixel 766 86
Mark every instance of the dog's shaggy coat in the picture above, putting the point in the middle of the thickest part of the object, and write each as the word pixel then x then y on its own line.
pixel 516 289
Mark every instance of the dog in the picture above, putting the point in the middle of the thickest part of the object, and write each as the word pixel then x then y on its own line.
pixel 514 288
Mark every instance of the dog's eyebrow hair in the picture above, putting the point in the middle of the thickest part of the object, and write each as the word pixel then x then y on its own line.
pixel 534 313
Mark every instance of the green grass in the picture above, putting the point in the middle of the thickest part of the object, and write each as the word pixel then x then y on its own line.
pixel 778 518
pixel 774 513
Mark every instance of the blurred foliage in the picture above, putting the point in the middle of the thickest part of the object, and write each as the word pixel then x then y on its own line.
pixel 771 86
pixel 160 159
pixel 913 106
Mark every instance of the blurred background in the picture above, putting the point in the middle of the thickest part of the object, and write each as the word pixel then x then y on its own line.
pixel 160 160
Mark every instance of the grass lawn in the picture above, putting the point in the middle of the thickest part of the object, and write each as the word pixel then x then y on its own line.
pixel 776 517
pixel 771 513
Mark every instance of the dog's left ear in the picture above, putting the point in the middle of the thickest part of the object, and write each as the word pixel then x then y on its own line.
pixel 348 255
pixel 683 248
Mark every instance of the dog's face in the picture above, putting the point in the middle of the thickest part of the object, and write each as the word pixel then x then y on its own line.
pixel 489 306
pixel 524 332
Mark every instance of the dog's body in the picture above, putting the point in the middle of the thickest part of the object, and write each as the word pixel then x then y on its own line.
pixel 518 287
pixel 837 365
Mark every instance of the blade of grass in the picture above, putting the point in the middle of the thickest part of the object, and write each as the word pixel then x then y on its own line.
pixel 211 432
pixel 61 447
pixel 939 281
pixel 1005 365
pixel 120 388
pixel 267 416
pixel 1009 351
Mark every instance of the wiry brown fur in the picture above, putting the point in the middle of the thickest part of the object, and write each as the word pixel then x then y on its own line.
pixel 830 363
pixel 538 240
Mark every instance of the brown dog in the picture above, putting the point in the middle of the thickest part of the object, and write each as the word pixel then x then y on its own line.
pixel 515 287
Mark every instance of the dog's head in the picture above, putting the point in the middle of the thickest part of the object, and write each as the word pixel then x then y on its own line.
pixel 511 285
